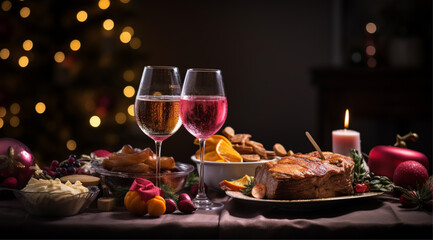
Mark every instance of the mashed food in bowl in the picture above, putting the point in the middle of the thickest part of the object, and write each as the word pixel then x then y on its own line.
pixel 54 186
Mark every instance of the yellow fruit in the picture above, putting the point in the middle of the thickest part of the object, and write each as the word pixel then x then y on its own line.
pixel 156 206
pixel 213 141
pixel 226 151
pixel 134 204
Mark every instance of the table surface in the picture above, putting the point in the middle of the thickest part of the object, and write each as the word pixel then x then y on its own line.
pixel 376 217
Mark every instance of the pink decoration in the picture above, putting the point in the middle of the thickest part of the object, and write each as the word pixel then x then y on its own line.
pixel 146 189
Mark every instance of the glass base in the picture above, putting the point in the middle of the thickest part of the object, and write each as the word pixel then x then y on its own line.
pixel 206 204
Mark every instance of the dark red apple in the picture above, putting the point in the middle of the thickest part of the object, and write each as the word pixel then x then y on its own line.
pixel 382 160
pixel 410 174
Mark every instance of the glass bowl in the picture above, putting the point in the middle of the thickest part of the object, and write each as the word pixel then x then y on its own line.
pixel 119 182
pixel 56 204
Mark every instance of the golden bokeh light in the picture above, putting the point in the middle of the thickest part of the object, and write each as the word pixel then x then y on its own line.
pixel 135 43
pixel 71 145
pixel 59 57
pixel 40 107
pixel 1 122
pixel 6 5
pixel 120 118
pixel 129 91
pixel 2 112
pixel 95 121
pixel 124 1
pixel 75 45
pixel 14 121
pixel 128 75
pixel 4 53
pixel 108 24
pixel 23 61
pixel 103 4
pixel 131 110
pixel 125 37
pixel 82 16
pixel 15 108
pixel 128 29
pixel 25 12
pixel 371 28
pixel 28 45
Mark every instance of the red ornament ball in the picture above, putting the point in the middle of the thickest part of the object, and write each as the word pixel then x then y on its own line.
pixel 410 174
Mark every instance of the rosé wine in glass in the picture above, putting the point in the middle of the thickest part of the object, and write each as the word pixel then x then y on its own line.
pixel 203 116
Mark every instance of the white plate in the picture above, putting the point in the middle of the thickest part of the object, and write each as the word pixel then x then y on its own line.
pixel 310 203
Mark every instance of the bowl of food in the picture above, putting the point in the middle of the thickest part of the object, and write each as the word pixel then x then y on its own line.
pixel 215 172
pixel 120 169
pixel 51 198
pixel 119 182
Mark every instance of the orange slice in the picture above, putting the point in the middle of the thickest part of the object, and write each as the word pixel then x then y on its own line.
pixel 213 141
pixel 236 185
pixel 226 151
pixel 210 156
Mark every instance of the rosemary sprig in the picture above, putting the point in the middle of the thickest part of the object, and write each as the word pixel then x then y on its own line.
pixel 248 187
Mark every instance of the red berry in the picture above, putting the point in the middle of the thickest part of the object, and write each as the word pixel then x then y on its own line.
pixel 184 196
pixel 362 188
pixel 170 205
pixel 194 189
pixel 406 202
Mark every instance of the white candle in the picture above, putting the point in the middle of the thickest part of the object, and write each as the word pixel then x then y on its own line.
pixel 344 139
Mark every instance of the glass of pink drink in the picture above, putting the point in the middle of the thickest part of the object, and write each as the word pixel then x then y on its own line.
pixel 203 110
pixel 157 107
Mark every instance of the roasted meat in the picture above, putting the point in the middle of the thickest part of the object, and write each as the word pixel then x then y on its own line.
pixel 307 176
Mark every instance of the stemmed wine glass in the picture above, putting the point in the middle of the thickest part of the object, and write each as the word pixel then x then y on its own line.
pixel 157 107
pixel 203 110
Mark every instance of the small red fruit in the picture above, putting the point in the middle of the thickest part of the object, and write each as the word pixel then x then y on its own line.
pixel 406 202
pixel 186 206
pixel 184 196
pixel 410 174
pixel 362 188
pixel 194 189
pixel 170 205
pixel 10 182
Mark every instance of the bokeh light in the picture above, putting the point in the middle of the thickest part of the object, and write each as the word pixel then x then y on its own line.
pixel 14 121
pixel 2 123
pixel 370 50
pixel 128 29
pixel 4 53
pixel 25 12
pixel 2 112
pixel 128 75
pixel 135 43
pixel 15 108
pixel 124 1
pixel 82 16
pixel 6 5
pixel 28 45
pixel 125 37
pixel 23 61
pixel 370 28
pixel 95 121
pixel 71 145
pixel 59 57
pixel 371 62
pixel 40 107
pixel 75 45
pixel 108 24
pixel 131 110
pixel 129 91
pixel 103 4
pixel 120 118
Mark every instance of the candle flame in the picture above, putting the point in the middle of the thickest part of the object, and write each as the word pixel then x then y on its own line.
pixel 346 119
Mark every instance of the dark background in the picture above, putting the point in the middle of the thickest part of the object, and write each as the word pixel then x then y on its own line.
pixel 274 57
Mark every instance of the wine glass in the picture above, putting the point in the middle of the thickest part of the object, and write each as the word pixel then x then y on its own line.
pixel 157 107
pixel 203 110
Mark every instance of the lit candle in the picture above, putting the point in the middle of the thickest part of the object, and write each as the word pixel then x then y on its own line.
pixel 344 139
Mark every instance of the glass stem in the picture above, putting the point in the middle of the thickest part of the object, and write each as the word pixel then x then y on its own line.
pixel 201 194
pixel 158 145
